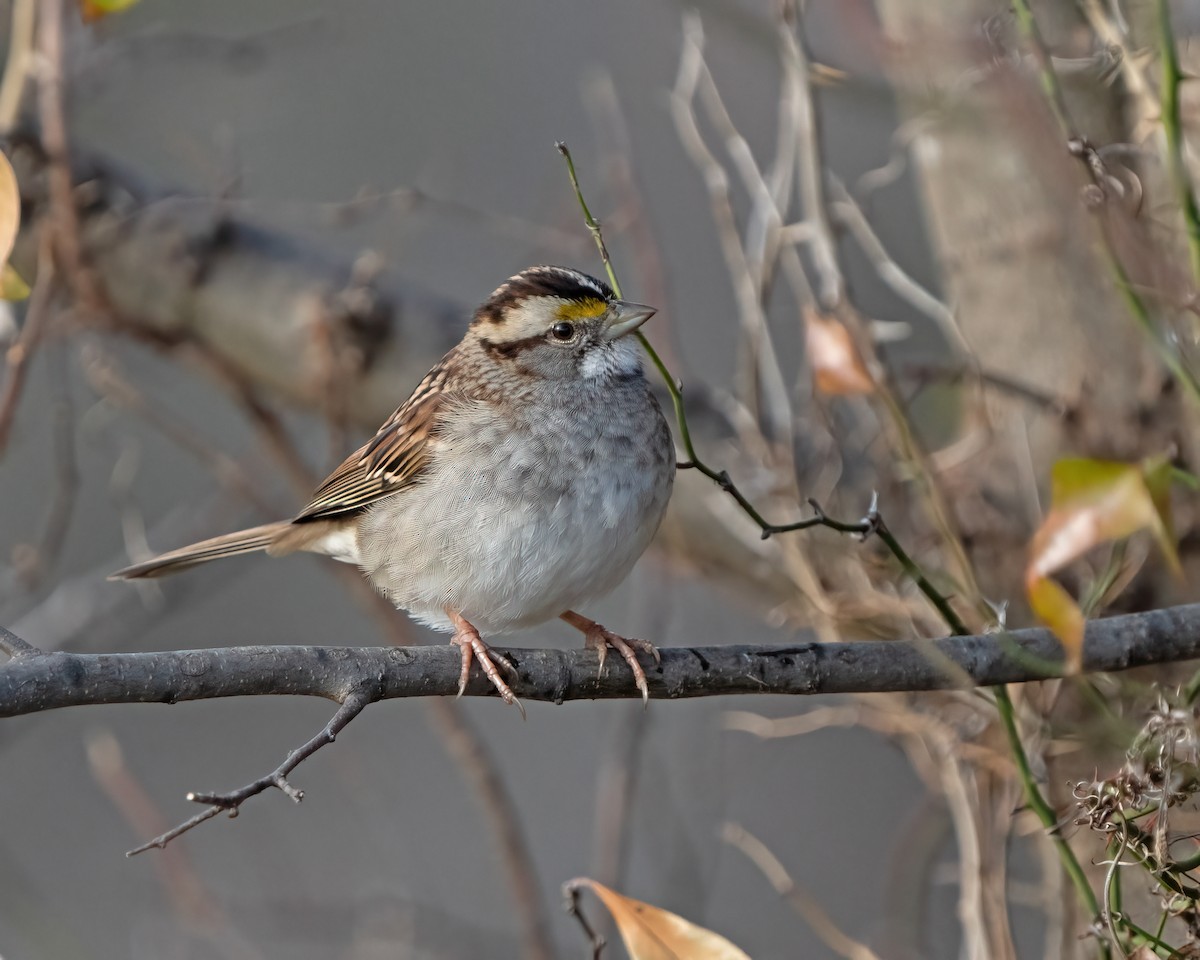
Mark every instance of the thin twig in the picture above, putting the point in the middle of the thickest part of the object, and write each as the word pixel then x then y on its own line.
pixel 1042 809
pixel 810 170
pixel 17 359
pixel 1112 887
pixel 812 912
pixel 746 262
pixel 231 802
pixel 849 213
pixel 52 115
pixel 17 64
pixel 571 890
pixel 1172 120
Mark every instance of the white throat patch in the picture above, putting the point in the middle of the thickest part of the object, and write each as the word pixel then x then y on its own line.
pixel 620 358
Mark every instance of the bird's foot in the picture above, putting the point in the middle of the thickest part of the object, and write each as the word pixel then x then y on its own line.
pixel 601 639
pixel 471 644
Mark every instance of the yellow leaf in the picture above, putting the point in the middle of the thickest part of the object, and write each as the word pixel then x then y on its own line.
pixel 10 208
pixel 1093 502
pixel 837 366
pixel 1055 608
pixel 653 934
pixel 12 287
pixel 95 9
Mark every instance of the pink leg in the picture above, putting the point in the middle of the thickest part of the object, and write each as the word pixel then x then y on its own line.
pixel 598 638
pixel 468 640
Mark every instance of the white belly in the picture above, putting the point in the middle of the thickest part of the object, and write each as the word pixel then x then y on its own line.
pixel 544 527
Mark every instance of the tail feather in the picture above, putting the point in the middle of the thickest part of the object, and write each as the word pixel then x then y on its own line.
pixel 226 545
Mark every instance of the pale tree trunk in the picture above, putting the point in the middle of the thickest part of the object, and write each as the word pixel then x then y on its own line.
pixel 1018 252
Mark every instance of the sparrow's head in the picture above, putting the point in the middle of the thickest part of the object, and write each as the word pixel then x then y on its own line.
pixel 558 323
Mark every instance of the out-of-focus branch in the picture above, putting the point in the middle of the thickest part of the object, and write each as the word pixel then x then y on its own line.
pixel 175 269
pixel 31 683
pixel 813 913
pixel 16 366
pixel 17 64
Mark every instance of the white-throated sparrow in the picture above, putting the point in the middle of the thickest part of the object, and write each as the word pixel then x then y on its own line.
pixel 522 479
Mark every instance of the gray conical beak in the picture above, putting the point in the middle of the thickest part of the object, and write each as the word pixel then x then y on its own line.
pixel 625 317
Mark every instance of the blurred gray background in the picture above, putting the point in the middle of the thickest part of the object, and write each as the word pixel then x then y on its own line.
pixel 286 107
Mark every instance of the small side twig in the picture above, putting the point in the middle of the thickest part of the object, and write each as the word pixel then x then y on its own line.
pixel 15 647
pixel 595 942
pixel 231 802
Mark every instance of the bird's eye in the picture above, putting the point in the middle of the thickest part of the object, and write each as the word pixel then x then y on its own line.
pixel 563 331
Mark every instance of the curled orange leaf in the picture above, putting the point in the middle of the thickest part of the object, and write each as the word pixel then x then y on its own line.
pixel 837 365
pixel 650 933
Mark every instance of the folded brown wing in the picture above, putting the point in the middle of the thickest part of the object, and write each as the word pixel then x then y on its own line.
pixel 388 462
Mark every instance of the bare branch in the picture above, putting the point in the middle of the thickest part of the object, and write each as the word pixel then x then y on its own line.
pixel 810 170
pixel 351 707
pixel 31 684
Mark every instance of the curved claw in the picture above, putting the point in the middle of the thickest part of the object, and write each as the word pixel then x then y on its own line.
pixel 472 647
pixel 600 639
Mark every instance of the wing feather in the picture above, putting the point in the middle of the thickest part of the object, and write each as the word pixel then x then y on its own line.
pixel 389 461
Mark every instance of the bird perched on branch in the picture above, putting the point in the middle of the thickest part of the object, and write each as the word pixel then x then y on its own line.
pixel 522 479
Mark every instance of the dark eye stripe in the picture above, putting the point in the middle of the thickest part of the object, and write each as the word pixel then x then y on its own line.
pixel 511 349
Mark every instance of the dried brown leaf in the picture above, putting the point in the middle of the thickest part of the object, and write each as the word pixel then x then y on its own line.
pixel 651 933
pixel 838 367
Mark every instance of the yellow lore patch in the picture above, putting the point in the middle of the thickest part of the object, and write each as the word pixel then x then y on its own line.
pixel 581 309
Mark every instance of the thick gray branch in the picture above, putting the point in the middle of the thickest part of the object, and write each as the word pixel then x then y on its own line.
pixel 30 683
